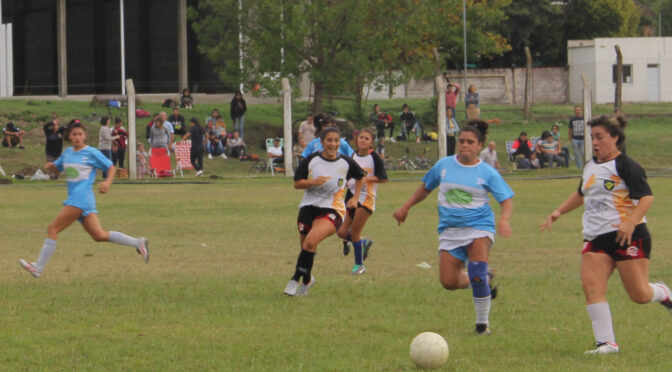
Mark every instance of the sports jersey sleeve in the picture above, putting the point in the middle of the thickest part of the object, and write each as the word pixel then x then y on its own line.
pixel 498 187
pixel 310 148
pixel 345 148
pixel 99 160
pixel 432 178
pixel 302 170
pixel 354 170
pixel 634 176
pixel 379 167
pixel 59 162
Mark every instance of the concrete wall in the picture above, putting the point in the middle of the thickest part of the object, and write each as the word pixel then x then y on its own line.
pixel 581 57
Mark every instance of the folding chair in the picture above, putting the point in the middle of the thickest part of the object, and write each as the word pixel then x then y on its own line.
pixel 159 163
pixel 271 166
pixel 182 151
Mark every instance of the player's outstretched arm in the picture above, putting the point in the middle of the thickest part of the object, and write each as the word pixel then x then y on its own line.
pixel 419 195
pixel 573 201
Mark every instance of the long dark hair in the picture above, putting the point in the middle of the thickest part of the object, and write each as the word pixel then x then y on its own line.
pixel 74 123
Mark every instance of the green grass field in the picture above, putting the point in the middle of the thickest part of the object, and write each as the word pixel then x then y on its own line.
pixel 211 296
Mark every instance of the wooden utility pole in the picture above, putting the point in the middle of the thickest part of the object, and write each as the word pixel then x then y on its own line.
pixel 132 133
pixel 527 115
pixel 287 124
pixel 440 84
pixel 587 115
pixel 619 78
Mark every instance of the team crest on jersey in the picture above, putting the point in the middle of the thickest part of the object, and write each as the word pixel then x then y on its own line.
pixel 71 172
pixel 457 196
pixel 609 185
pixel 340 182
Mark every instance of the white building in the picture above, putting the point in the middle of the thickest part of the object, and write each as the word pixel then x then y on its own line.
pixel 647 62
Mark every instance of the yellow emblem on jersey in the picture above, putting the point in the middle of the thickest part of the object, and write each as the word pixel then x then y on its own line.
pixel 609 185
pixel 340 182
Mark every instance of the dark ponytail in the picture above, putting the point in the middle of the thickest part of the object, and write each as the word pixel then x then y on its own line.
pixel 614 125
pixel 75 123
pixel 478 127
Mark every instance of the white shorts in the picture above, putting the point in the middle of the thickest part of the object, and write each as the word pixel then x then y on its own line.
pixel 457 237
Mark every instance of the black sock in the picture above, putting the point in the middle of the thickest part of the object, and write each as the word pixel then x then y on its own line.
pixel 304 264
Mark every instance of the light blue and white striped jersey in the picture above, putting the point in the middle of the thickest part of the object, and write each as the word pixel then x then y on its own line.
pixel 316 146
pixel 80 172
pixel 463 193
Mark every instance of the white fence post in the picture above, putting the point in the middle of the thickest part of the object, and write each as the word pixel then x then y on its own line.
pixel 441 115
pixel 287 124
pixel 132 147
pixel 587 115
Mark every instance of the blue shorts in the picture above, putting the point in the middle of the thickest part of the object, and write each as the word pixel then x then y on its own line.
pixel 85 212
pixel 460 253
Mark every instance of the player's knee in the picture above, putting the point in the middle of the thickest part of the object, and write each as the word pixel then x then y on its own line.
pixel 478 277
pixel 450 284
pixel 309 245
pixel 342 234
pixel 640 297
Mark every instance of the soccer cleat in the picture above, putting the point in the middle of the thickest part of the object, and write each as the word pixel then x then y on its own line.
pixel 367 247
pixel 358 269
pixel 492 284
pixel 346 247
pixel 303 288
pixel 668 301
pixel 291 288
pixel 31 267
pixel 143 249
pixel 482 329
pixel 604 348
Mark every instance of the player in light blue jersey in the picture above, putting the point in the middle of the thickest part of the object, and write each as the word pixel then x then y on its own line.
pixel 80 163
pixel 325 121
pixel 466 221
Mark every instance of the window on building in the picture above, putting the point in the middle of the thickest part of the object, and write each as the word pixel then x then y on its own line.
pixel 627 74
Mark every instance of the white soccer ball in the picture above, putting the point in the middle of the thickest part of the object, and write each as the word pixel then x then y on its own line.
pixel 429 350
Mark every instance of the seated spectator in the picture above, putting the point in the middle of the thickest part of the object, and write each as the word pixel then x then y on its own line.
pixel 179 124
pixel 159 135
pixel 186 101
pixel 547 150
pixel 409 123
pixel 489 155
pixel 54 146
pixel 12 136
pixel 220 129
pixel 214 147
pixel 534 161
pixel 564 151
pixel 522 147
pixel 236 145
pixel 213 117
pixel 276 153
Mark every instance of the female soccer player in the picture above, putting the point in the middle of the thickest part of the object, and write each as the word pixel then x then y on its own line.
pixel 356 217
pixel 466 222
pixel 616 197
pixel 323 177
pixel 80 163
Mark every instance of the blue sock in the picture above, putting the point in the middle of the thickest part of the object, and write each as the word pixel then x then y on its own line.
pixel 357 249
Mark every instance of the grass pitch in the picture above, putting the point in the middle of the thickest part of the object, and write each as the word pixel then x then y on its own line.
pixel 211 296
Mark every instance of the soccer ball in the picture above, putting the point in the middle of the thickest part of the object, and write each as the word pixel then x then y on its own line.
pixel 429 350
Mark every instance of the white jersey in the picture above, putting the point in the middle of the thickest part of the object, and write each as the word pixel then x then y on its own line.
pixel 373 165
pixel 331 194
pixel 611 191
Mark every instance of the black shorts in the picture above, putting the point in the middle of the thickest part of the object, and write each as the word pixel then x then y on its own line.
pixel 640 247
pixel 308 214
pixel 351 211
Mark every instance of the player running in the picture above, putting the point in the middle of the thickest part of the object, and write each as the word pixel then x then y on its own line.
pixel 355 218
pixel 466 221
pixel 80 163
pixel 616 197
pixel 323 175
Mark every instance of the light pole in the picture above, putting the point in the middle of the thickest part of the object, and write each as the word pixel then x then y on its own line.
pixel 464 27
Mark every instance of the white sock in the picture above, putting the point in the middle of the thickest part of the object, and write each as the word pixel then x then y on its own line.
pixel 120 238
pixel 660 292
pixel 482 306
pixel 47 250
pixel 600 316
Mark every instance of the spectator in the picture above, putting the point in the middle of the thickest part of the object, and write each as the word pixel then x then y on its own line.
pixel 168 125
pixel 576 133
pixel 299 146
pixel 196 153
pixel 548 150
pixel 276 153
pixel 307 128
pixel 409 123
pixel 472 102
pixel 13 136
pixel 534 161
pixel 489 155
pixel 54 146
pixel 452 128
pixel 141 160
pixel 150 125
pixel 238 109
pixel 213 117
pixel 522 147
pixel 119 155
pixel 451 95
pixel 236 145
pixel 323 121
pixel 159 136
pixel 178 122
pixel 220 129
pixel 105 139
pixel 214 147
pixel 186 101
pixel 379 126
pixel 563 150
pixel 388 124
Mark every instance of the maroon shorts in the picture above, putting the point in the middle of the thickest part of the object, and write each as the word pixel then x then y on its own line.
pixel 308 214
pixel 640 247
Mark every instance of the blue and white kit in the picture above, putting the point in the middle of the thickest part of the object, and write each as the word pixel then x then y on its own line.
pixel 80 172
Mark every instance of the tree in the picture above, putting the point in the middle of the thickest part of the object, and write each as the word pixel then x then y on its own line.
pixel 342 44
